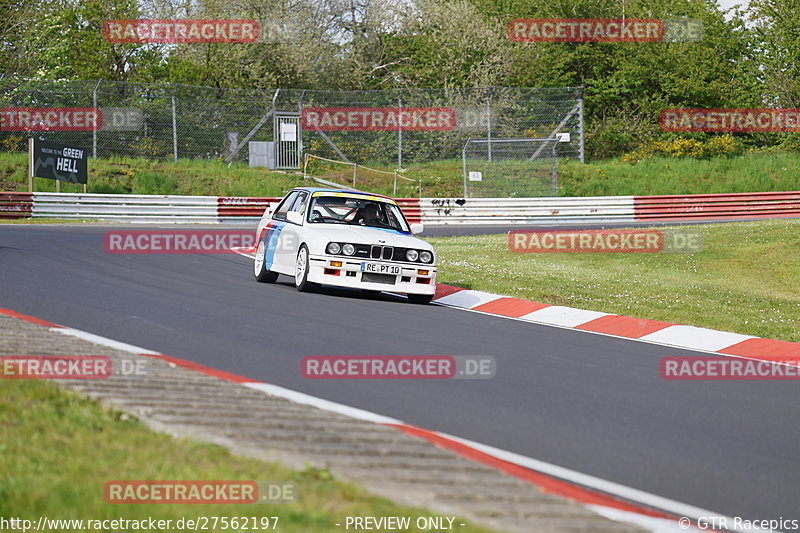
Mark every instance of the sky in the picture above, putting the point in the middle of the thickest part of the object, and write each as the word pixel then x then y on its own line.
pixel 725 4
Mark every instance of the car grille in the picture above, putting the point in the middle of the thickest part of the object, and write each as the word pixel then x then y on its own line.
pixel 378 278
pixel 381 252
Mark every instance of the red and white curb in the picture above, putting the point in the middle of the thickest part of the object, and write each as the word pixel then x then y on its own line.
pixel 674 335
pixel 609 499
pixel 654 331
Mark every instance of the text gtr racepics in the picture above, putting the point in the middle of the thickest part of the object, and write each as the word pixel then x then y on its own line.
pixel 347 239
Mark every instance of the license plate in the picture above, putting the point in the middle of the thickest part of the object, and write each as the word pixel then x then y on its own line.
pixel 380 268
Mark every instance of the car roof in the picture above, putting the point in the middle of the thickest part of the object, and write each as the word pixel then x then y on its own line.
pixel 348 192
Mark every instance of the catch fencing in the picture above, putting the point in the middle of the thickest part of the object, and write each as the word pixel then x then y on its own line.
pixel 388 129
pixel 507 168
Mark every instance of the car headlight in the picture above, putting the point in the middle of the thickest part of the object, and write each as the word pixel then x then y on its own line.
pixel 333 248
pixel 425 256
pixel 412 255
pixel 348 249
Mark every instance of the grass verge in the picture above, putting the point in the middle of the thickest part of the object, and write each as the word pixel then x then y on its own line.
pixel 58 449
pixel 746 279
pixel 751 172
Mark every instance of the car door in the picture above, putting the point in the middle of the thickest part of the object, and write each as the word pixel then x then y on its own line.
pixel 291 235
pixel 272 234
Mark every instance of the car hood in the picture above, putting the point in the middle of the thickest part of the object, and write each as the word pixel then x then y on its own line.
pixel 367 235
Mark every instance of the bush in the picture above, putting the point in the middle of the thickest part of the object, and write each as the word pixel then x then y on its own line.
pixel 717 146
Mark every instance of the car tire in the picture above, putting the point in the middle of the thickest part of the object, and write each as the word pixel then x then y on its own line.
pixel 259 265
pixel 422 299
pixel 302 266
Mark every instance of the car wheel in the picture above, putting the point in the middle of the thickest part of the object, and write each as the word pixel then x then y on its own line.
pixel 301 271
pixel 259 266
pixel 423 299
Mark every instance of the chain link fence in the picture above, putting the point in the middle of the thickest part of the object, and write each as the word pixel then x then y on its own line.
pixel 505 168
pixel 389 129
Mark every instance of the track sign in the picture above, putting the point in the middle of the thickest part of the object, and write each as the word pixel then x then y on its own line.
pixel 475 176
pixel 58 162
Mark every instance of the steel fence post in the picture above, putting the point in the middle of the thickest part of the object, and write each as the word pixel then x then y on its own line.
pixel 399 132
pixel 555 170
pixel 464 165
pixel 580 124
pixel 94 130
pixel 174 126
pixel 489 121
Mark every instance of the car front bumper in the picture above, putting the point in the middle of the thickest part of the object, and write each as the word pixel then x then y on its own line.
pixel 414 278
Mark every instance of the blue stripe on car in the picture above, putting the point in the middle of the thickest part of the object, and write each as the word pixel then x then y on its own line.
pixel 273 232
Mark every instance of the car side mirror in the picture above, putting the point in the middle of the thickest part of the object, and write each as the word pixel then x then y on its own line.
pixel 294 217
pixel 416 227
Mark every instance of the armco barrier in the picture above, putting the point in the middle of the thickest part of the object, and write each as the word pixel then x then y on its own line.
pixel 15 204
pixel 717 206
pixel 151 209
pixel 432 211
pixel 487 211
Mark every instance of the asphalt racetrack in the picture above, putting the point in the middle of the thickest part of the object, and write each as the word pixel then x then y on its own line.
pixel 591 403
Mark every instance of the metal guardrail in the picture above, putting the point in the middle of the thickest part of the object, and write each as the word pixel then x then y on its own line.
pixel 433 211
pixel 134 208
pixel 487 211
pixel 718 206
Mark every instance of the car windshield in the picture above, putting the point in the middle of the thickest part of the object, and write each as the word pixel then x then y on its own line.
pixel 356 212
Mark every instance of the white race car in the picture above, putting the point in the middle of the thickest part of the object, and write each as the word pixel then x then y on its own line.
pixel 347 239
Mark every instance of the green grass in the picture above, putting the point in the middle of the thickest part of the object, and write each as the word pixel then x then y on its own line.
pixel 152 176
pixel 746 279
pixel 751 172
pixel 58 449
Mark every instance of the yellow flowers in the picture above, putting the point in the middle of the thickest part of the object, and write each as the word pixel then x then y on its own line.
pixel 12 143
pixel 716 146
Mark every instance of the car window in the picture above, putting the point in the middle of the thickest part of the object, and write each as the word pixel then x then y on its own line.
pixel 283 208
pixel 299 204
pixel 356 211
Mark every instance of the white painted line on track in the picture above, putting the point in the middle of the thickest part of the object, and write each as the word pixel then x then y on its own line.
pixel 104 341
pixel 325 405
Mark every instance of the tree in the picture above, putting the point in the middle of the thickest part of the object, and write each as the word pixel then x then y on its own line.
pixel 776 46
pixel 448 43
